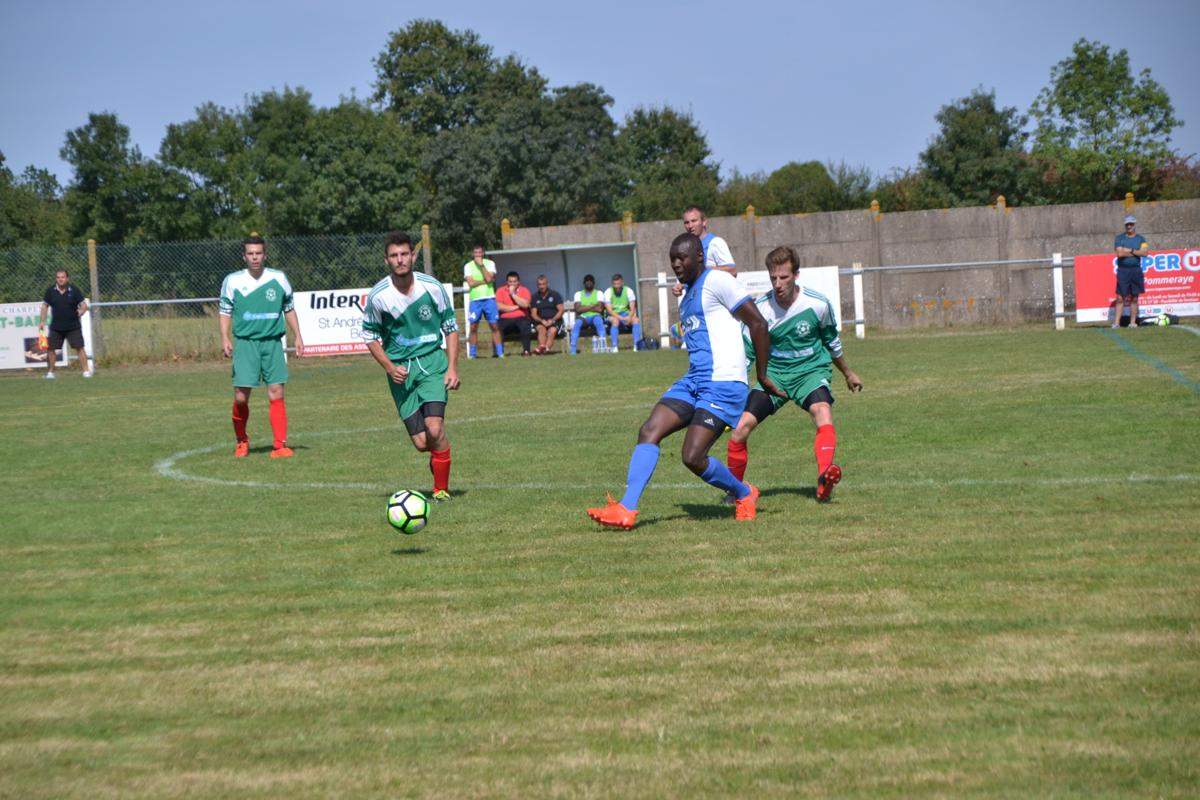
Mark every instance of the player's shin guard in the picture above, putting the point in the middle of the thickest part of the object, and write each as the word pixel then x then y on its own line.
pixel 824 446
pixel 278 414
pixel 241 413
pixel 641 469
pixel 718 475
pixel 737 455
pixel 439 465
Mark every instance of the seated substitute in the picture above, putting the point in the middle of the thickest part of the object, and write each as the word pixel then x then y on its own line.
pixel 546 309
pixel 589 308
pixel 513 301
pixel 621 304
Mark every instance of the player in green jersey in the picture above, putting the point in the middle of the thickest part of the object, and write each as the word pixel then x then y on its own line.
pixel 405 318
pixel 253 305
pixel 804 342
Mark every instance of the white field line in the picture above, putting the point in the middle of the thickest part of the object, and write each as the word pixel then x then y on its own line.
pixel 169 468
pixel 1189 329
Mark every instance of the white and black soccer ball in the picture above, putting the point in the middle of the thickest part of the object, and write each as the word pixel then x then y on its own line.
pixel 408 511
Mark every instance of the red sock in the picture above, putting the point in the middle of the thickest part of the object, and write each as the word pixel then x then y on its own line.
pixel 824 446
pixel 241 413
pixel 278 412
pixel 439 465
pixel 736 456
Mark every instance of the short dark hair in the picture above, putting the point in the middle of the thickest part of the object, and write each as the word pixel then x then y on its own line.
pixel 689 242
pixel 63 270
pixel 587 278
pixel 783 255
pixel 478 247
pixel 696 208
pixel 253 238
pixel 543 278
pixel 617 277
pixel 512 273
pixel 397 238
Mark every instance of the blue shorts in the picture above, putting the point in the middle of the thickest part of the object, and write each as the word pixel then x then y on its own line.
pixel 1130 281
pixel 725 400
pixel 624 320
pixel 485 308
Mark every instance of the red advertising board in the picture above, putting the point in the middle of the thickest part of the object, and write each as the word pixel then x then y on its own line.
pixel 1172 280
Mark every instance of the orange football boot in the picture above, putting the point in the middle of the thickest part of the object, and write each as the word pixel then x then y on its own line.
pixel 242 450
pixel 614 515
pixel 747 507
pixel 825 483
pixel 282 452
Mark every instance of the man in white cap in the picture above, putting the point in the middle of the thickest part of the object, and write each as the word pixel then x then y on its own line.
pixel 1130 246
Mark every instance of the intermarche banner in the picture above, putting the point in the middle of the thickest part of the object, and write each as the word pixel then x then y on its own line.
pixel 331 320
pixel 1172 279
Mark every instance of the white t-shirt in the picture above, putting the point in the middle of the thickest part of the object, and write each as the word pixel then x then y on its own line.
pixel 718 254
pixel 712 333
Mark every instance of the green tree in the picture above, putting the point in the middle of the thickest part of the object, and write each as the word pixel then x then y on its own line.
pixel 799 188
pixel 910 190
pixel 978 152
pixel 431 77
pixel 103 198
pixel 31 208
pixel 666 164
pixel 1099 130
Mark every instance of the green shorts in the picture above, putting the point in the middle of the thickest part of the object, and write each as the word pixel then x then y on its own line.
pixel 425 384
pixel 258 361
pixel 797 386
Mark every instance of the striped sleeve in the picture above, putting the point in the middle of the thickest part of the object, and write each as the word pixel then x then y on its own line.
pixel 829 330
pixel 445 306
pixel 225 302
pixel 372 322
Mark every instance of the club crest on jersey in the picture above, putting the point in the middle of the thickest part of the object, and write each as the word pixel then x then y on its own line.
pixel 270 294
pixel 691 324
pixel 425 312
pixel 803 328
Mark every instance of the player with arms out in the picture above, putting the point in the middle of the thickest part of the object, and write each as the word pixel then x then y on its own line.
pixel 253 305
pixel 710 396
pixel 404 319
pixel 804 341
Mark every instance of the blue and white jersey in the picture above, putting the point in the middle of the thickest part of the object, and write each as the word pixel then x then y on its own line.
pixel 712 334
pixel 716 251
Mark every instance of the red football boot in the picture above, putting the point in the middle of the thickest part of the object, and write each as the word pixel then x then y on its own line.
pixel 825 483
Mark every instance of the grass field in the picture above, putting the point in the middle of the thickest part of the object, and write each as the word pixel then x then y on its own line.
pixel 1003 599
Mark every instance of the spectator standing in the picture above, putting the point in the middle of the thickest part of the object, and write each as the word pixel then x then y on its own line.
pixel 513 301
pixel 67 303
pixel 621 304
pixel 1130 246
pixel 479 273
pixel 546 309
pixel 589 308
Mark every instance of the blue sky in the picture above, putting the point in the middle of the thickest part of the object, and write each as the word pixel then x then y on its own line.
pixel 770 81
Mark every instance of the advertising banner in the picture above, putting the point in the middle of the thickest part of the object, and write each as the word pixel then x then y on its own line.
pixel 19 336
pixel 331 320
pixel 1172 279
pixel 823 280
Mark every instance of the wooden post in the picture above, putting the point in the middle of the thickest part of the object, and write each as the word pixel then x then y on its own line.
pixel 505 234
pixel 627 227
pixel 1128 202
pixel 427 256
pixel 94 276
pixel 751 240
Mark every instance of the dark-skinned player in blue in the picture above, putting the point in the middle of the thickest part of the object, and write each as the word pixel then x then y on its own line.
pixel 711 396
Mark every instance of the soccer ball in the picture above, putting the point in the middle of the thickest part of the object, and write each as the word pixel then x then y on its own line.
pixel 1163 319
pixel 408 512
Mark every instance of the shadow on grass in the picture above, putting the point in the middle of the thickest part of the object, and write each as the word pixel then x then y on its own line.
pixel 409 551
pixel 706 511
pixel 266 448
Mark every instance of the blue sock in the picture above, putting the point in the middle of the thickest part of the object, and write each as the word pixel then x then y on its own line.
pixel 616 333
pixel 718 475
pixel 637 335
pixel 499 349
pixel 641 468
pixel 470 350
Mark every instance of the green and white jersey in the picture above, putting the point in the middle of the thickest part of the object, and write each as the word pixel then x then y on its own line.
pixel 408 325
pixel 804 336
pixel 619 302
pixel 473 270
pixel 256 306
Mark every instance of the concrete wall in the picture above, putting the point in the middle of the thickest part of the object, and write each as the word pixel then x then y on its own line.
pixel 894 300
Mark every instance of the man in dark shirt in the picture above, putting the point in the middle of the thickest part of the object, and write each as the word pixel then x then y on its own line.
pixel 547 311
pixel 67 304
pixel 1130 246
